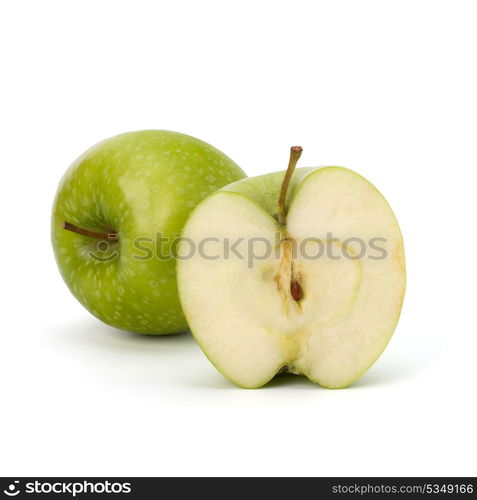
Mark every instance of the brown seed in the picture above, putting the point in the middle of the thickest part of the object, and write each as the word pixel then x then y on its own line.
pixel 296 290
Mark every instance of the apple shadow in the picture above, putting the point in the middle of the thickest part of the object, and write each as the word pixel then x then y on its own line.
pixel 90 332
pixel 383 374
pixel 290 380
pixel 389 372
pixel 91 335
pixel 282 380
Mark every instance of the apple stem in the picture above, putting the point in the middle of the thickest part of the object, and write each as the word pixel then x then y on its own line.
pixel 295 153
pixel 91 234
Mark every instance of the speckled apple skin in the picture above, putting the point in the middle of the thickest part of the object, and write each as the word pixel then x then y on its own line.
pixel 136 184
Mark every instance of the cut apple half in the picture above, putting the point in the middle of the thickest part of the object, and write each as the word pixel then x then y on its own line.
pixel 313 286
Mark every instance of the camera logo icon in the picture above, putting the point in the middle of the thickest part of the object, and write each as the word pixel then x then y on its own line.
pixel 13 489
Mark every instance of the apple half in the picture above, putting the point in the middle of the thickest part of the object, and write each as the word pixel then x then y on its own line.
pixel 312 283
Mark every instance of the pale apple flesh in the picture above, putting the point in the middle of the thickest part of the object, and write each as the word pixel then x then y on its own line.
pixel 246 318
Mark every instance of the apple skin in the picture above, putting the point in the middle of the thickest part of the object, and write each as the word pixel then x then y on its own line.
pixel 136 184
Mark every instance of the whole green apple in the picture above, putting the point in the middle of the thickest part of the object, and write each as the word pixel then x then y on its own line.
pixel 117 211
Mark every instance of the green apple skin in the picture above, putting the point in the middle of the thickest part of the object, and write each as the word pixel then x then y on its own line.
pixel 137 184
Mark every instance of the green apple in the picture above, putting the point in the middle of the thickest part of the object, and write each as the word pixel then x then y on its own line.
pixel 116 213
pixel 304 272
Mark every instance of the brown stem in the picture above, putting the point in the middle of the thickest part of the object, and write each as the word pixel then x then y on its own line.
pixel 91 234
pixel 295 153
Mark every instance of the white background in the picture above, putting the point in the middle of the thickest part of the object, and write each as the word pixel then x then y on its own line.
pixel 386 88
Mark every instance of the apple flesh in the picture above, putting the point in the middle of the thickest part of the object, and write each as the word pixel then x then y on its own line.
pixel 115 199
pixel 327 318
